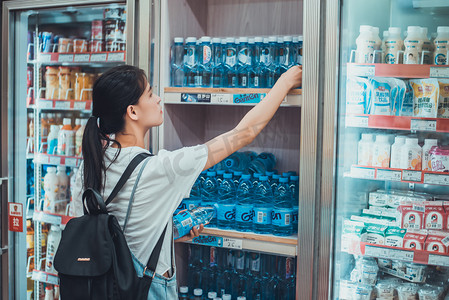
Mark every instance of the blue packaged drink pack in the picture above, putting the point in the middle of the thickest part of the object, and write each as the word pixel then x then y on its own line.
pixel 405 100
pixel 357 95
pixel 381 97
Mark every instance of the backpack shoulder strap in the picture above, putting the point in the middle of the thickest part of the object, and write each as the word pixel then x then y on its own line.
pixel 128 171
pixel 154 257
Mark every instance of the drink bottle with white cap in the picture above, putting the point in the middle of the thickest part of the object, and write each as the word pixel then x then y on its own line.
pixel 426 160
pixel 177 64
pixel 244 62
pixel 393 44
pixel 183 293
pixel 441 45
pixel 413 45
pixel 365 45
pixel 218 66
pixel 197 294
pixel 271 62
pixel 231 76
pixel 190 62
pixel 205 60
pixel 256 73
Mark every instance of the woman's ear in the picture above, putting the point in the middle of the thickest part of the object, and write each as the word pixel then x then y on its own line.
pixel 132 113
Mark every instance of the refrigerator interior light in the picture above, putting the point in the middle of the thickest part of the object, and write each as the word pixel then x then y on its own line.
pixel 430 3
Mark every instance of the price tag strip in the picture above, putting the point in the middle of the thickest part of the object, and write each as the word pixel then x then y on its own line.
pixel 431 178
pixel 439 72
pixel 98 57
pixel 204 98
pixel 438 260
pixel 363 173
pixel 45 104
pixel 389 253
pixel 217 241
pixel 41 216
pixel 409 175
pixel 357 121
pixel 361 70
pixel 45 277
pixel 423 125
pixel 388 175
pixel 119 56
pixel 65 58
pixel 232 243
pixel 221 98
pixel 82 57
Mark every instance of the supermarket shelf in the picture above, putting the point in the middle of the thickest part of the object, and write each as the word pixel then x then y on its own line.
pixel 248 241
pixel 42 276
pixel 58 160
pixel 80 58
pixel 224 96
pixel 398 123
pixel 399 175
pixel 397 70
pixel 409 255
pixel 50 218
pixel 50 104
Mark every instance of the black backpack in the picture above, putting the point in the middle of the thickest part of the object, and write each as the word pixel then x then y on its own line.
pixel 93 258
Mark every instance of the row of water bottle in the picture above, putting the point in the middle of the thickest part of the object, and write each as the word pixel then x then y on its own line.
pixel 255 62
pixel 217 273
pixel 253 199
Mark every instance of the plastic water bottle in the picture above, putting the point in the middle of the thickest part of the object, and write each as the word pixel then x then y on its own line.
pixel 272 62
pixel 184 221
pixel 205 58
pixel 299 50
pixel 294 189
pixel 262 163
pixel 287 57
pixel 257 67
pixel 282 211
pixel 220 174
pixel 211 295
pixel 183 293
pixel 197 294
pixel 254 290
pixel 218 66
pixel 295 46
pixel 190 63
pixel 255 179
pixel 244 209
pixel 263 207
pixel 231 77
pixel 237 176
pixel 177 65
pixel 210 195
pixel 244 62
pixel 239 280
pixel 222 275
pixel 226 203
pixel 237 161
pixel 274 181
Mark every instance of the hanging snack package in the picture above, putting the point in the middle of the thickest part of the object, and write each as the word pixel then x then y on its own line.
pixel 357 95
pixel 425 97
pixel 406 106
pixel 443 102
pixel 381 96
pixel 398 89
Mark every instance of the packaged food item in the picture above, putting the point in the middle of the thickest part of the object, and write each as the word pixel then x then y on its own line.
pixel 396 152
pixel 412 215
pixel 437 241
pixel 80 45
pixel 357 94
pixel 365 45
pixel 96 46
pixel 384 263
pixel 351 234
pixel 66 139
pixel 443 101
pixel 52 83
pixel 112 46
pixel 385 289
pixel 405 108
pixel 347 290
pixel 365 150
pixel 113 13
pixel 398 90
pixel 393 44
pixel 368 270
pixel 381 155
pixel 408 291
pixel 374 234
pixel 425 97
pixel 65 45
pixel 427 162
pixel 381 100
pixel 411 155
pixel 441 46
pixel 415 272
pixel 114 29
pixel 439 157
pixel 83 86
pixel 430 292
pixel 399 266
pixel 97 30
pixel 378 198
pixel 394 237
pixel 434 215
pixel 65 79
pixel 413 45
pixel 415 239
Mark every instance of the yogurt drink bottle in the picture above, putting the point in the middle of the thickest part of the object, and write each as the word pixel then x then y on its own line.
pixel 385 35
pixel 51 188
pixel 377 41
pixel 393 45
pixel 66 139
pixel 413 45
pixel 441 45
pixel 63 181
pixel 427 47
pixel 411 156
pixel 382 148
pixel 396 151
pixel 52 140
pixel 428 144
pixel 365 150
pixel 54 237
pixel 365 45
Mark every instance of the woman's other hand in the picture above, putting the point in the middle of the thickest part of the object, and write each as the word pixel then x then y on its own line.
pixel 193 234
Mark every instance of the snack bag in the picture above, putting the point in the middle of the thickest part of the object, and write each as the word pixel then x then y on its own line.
pixel 381 96
pixel 439 157
pixel 357 93
pixel 443 102
pixel 425 97
pixel 405 108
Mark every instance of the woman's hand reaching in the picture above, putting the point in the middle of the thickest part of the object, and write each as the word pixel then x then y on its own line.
pixel 193 234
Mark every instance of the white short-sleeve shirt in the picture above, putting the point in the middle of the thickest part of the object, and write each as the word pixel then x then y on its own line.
pixel 167 178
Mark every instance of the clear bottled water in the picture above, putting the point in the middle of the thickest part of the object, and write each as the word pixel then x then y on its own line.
pixel 205 59
pixel 237 177
pixel 244 208
pixel 256 73
pixel 271 62
pixel 239 281
pixel 237 161
pixel 262 163
pixel 255 179
pixel 263 207
pixel 294 189
pixel 190 62
pixel 209 194
pixel 299 50
pixel 286 59
pixel 183 293
pixel 282 211
pixel 244 62
pixel 275 181
pixel 218 66
pixel 226 203
pixel 254 289
pixel 185 221
pixel 220 174
pixel 231 76
pixel 177 63
pixel 197 294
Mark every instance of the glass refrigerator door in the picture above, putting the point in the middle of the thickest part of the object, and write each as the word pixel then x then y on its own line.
pixel 392 183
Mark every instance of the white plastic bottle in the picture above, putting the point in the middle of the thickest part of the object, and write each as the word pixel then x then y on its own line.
pixel 66 139
pixel 427 47
pixel 72 185
pixel 51 188
pixel 377 41
pixel 396 151
pixel 413 45
pixel 52 140
pixel 411 156
pixel 63 183
pixel 384 41
pixel 426 162
pixel 54 237
pixel 393 45
pixel 79 138
pixel 365 45
pixel 381 151
pixel 441 45
pixel 365 150
pixel 49 295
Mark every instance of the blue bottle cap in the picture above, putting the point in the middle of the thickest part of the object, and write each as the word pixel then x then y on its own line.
pixel 294 178
pixel 227 176
pixel 263 178
pixel 211 173
pixel 238 173
pixel 269 173
pixel 276 176
pixel 246 176
pixel 285 174
pixel 257 175
pixel 220 172
pixel 204 172
pixel 283 180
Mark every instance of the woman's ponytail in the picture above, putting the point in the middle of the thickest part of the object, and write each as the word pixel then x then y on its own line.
pixel 93 152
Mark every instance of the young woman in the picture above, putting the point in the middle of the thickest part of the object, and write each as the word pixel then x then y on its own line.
pixel 124 109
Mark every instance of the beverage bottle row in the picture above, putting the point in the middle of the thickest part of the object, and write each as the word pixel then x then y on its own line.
pixel 236 274
pixel 416 48
pixel 243 62
pixel 57 189
pixel 264 203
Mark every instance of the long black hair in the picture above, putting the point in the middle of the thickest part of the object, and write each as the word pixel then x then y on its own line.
pixel 113 92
